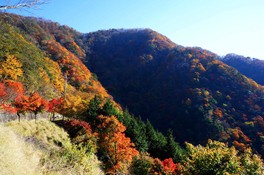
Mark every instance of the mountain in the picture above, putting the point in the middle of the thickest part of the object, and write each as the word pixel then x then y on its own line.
pixel 41 70
pixel 186 89
pixel 46 60
pixel 186 92
pixel 251 67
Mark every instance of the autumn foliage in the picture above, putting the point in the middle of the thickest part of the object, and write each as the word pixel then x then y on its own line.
pixel 117 148
pixel 54 106
pixel 14 100
pixel 79 123
pixel 44 67
pixel 10 68
pixel 37 103
pixel 33 103
pixel 10 91
pixel 169 166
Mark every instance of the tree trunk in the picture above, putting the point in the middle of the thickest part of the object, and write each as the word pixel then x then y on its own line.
pixel 35 117
pixel 18 116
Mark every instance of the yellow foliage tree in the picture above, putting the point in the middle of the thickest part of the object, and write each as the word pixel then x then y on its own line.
pixel 57 78
pixel 43 74
pixel 10 68
pixel 217 158
pixel 72 105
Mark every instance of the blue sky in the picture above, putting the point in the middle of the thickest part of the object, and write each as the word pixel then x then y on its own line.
pixel 222 26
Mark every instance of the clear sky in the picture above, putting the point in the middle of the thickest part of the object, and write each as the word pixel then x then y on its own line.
pixel 221 26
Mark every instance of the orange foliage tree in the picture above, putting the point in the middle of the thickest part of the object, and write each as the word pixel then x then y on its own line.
pixel 54 106
pixel 34 103
pixel 21 106
pixel 2 93
pixel 115 146
pixel 169 166
pixel 10 91
pixel 14 90
pixel 37 104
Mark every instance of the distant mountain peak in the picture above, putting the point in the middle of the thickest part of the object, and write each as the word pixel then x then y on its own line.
pixel 135 35
pixel 251 67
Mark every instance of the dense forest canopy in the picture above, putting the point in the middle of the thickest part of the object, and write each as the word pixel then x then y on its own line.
pixel 186 89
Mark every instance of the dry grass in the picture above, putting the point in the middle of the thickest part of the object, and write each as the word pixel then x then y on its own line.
pixel 43 130
pixel 42 148
pixel 17 156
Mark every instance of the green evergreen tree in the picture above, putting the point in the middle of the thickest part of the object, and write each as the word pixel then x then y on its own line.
pixel 93 110
pixel 173 148
pixel 109 109
pixel 135 130
pixel 157 142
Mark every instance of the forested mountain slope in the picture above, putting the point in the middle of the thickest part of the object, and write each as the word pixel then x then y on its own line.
pixel 251 67
pixel 41 71
pixel 45 59
pixel 186 89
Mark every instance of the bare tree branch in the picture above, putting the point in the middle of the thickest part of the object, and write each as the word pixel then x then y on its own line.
pixel 22 4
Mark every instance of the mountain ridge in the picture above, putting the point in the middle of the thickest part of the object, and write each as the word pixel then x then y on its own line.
pixel 175 87
pixel 251 67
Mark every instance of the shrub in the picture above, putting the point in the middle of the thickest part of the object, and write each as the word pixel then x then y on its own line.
pixel 216 158
pixel 71 160
pixel 141 165
pixel 80 132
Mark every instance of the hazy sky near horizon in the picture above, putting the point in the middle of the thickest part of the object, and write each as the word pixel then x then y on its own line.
pixel 221 26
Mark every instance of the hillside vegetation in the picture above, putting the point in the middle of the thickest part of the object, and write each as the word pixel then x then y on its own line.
pixel 41 71
pixel 30 54
pixel 186 89
pixel 187 93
